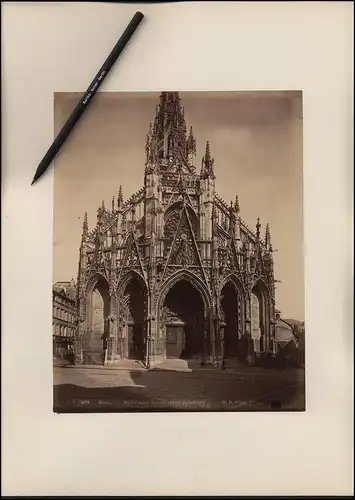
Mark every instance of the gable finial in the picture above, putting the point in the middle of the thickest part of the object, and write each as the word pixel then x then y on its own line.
pixel 236 204
pixel 267 237
pixel 258 226
pixel 120 197
pixel 85 224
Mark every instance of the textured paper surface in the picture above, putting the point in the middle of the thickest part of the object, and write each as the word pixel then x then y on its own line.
pixel 214 46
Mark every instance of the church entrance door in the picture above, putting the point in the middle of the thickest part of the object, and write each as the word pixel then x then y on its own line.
pixel 175 341
pixel 183 319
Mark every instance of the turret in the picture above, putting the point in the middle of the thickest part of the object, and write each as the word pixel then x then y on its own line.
pixel 236 205
pixel 191 148
pixel 119 215
pixel 85 226
pixel 232 220
pixel 267 237
pixel 214 237
pixel 99 215
pixel 258 226
pixel 207 164
pixel 237 220
pixel 120 198
pixel 269 258
pixel 207 186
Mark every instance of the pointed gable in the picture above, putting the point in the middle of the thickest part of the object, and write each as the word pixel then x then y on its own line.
pixel 184 249
pixel 132 257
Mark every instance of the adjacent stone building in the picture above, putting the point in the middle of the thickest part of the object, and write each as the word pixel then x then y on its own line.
pixel 64 318
pixel 174 271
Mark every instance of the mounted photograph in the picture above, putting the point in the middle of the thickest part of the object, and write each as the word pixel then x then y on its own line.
pixel 178 267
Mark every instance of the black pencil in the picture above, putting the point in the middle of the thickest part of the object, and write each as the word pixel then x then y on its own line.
pixel 87 97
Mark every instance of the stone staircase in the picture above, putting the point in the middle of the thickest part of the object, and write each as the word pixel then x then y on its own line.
pixel 179 365
pixel 129 364
pixel 93 357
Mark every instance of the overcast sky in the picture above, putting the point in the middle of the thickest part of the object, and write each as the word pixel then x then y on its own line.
pixel 256 140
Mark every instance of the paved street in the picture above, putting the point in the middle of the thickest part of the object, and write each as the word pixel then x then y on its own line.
pixel 83 388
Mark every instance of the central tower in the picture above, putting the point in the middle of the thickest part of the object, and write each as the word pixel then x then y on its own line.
pixel 168 146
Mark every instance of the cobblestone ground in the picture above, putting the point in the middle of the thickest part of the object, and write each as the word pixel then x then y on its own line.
pixel 106 389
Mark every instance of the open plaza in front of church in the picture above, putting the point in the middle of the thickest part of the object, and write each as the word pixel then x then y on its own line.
pixel 177 388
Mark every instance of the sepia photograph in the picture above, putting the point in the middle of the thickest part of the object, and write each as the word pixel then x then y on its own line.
pixel 178 267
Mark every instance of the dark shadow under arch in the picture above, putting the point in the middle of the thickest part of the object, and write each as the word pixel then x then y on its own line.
pixel 97 315
pixel 232 305
pixel 134 302
pixel 184 321
pixel 229 304
pixel 191 278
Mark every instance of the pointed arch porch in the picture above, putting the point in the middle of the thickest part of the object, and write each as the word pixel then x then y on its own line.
pixel 94 308
pixel 232 316
pixel 181 312
pixel 261 313
pixel 132 316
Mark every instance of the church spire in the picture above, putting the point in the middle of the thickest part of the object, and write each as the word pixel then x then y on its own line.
pixel 231 219
pixel 236 205
pixel 191 146
pixel 120 197
pixel 207 163
pixel 258 226
pixel 85 225
pixel 267 236
pixel 268 243
pixel 148 144
pixel 167 138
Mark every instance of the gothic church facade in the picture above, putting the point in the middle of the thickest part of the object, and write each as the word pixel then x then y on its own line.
pixel 173 271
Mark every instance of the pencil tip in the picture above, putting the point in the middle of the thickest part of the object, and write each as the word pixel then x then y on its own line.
pixel 33 181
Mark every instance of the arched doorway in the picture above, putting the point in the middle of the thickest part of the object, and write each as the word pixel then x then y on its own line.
pixel 182 319
pixel 259 317
pixel 135 301
pixel 98 311
pixel 230 302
